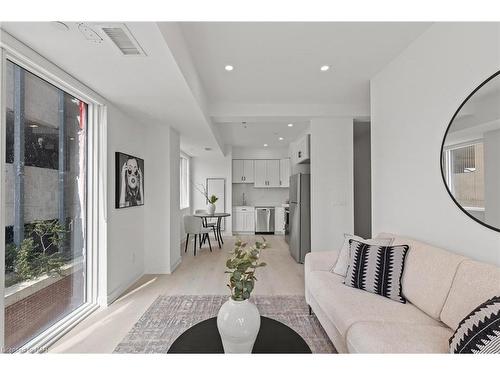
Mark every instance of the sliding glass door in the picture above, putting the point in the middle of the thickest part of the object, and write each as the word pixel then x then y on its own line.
pixel 45 205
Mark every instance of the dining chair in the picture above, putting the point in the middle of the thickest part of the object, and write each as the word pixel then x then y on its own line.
pixel 208 224
pixel 194 225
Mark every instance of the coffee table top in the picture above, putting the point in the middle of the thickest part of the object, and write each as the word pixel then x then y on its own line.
pixel 273 337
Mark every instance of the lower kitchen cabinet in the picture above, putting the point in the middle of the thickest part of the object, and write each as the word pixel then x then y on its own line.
pixel 244 219
pixel 279 220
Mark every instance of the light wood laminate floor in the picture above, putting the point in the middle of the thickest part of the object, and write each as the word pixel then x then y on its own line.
pixel 203 274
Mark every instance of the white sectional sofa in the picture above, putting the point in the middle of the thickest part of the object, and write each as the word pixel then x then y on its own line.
pixel 441 288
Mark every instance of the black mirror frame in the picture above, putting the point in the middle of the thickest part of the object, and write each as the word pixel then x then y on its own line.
pixel 442 149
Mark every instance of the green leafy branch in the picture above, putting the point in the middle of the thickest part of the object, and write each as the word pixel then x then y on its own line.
pixel 241 268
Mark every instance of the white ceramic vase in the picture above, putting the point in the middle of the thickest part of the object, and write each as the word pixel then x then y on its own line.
pixel 211 208
pixel 238 323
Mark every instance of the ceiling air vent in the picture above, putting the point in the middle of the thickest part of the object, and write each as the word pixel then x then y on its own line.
pixel 123 40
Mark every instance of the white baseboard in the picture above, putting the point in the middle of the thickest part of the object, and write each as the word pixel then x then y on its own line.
pixel 113 296
pixel 175 265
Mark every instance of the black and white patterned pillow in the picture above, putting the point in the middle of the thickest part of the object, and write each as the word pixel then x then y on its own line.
pixel 479 332
pixel 377 269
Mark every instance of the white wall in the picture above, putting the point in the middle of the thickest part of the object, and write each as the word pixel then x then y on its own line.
pixel 412 102
pixel 212 165
pixel 298 168
pixel 162 232
pixel 143 239
pixel 331 182
pixel 175 212
pixel 125 226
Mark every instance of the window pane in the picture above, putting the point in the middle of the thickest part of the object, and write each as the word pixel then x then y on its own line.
pixel 467 177
pixel 184 182
pixel 45 205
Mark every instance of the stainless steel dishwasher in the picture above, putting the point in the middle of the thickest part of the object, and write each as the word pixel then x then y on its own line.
pixel 264 220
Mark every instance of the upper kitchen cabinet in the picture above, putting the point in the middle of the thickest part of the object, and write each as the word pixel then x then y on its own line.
pixel 285 173
pixel 301 150
pixel 267 173
pixel 243 171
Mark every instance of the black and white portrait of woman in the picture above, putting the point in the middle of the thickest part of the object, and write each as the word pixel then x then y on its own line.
pixel 129 181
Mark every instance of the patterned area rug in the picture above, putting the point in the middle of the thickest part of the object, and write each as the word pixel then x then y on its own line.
pixel 169 316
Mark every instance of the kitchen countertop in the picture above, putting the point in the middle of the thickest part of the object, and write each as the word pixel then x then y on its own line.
pixel 284 205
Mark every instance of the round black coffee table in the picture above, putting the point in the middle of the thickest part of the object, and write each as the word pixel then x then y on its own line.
pixel 273 337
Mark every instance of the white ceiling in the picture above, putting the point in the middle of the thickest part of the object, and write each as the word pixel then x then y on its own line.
pixel 254 134
pixel 151 88
pixel 279 62
pixel 182 82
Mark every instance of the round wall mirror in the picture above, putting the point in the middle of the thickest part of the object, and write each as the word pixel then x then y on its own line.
pixel 470 154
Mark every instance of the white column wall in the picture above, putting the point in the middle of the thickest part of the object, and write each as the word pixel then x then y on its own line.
pixel 161 198
pixel 332 205
pixel 126 233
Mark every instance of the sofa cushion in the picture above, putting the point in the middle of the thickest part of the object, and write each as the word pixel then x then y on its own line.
pixel 342 263
pixel 377 337
pixel 377 269
pixel 474 283
pixel 320 261
pixel 479 332
pixel 428 274
pixel 345 306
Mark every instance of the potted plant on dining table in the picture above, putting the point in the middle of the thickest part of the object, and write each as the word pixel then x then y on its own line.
pixel 210 199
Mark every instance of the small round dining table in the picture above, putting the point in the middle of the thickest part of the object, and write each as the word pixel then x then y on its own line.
pixel 219 216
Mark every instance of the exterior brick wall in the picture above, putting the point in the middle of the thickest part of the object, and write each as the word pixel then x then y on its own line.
pixel 32 315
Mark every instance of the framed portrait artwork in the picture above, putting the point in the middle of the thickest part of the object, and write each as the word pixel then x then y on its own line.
pixel 129 172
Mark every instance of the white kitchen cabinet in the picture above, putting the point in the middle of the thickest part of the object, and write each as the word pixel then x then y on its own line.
pixel 243 171
pixel 260 173
pixel 273 173
pixel 248 171
pixel 244 219
pixel 267 173
pixel 285 173
pixel 279 220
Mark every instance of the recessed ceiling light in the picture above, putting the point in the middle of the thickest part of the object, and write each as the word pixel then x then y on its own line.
pixel 290 125
pixel 324 68
pixel 33 125
pixel 229 67
pixel 71 138
pixel 281 138
pixel 265 145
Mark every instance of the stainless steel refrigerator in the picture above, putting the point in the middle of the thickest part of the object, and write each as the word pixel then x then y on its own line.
pixel 300 216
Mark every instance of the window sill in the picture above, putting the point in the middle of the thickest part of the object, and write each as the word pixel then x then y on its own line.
pixel 24 289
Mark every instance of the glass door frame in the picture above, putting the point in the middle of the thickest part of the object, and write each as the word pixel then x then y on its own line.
pixel 96 206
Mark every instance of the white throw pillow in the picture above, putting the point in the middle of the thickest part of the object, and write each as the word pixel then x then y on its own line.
pixel 340 267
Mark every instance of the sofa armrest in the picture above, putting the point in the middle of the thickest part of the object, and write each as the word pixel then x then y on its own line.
pixel 320 261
